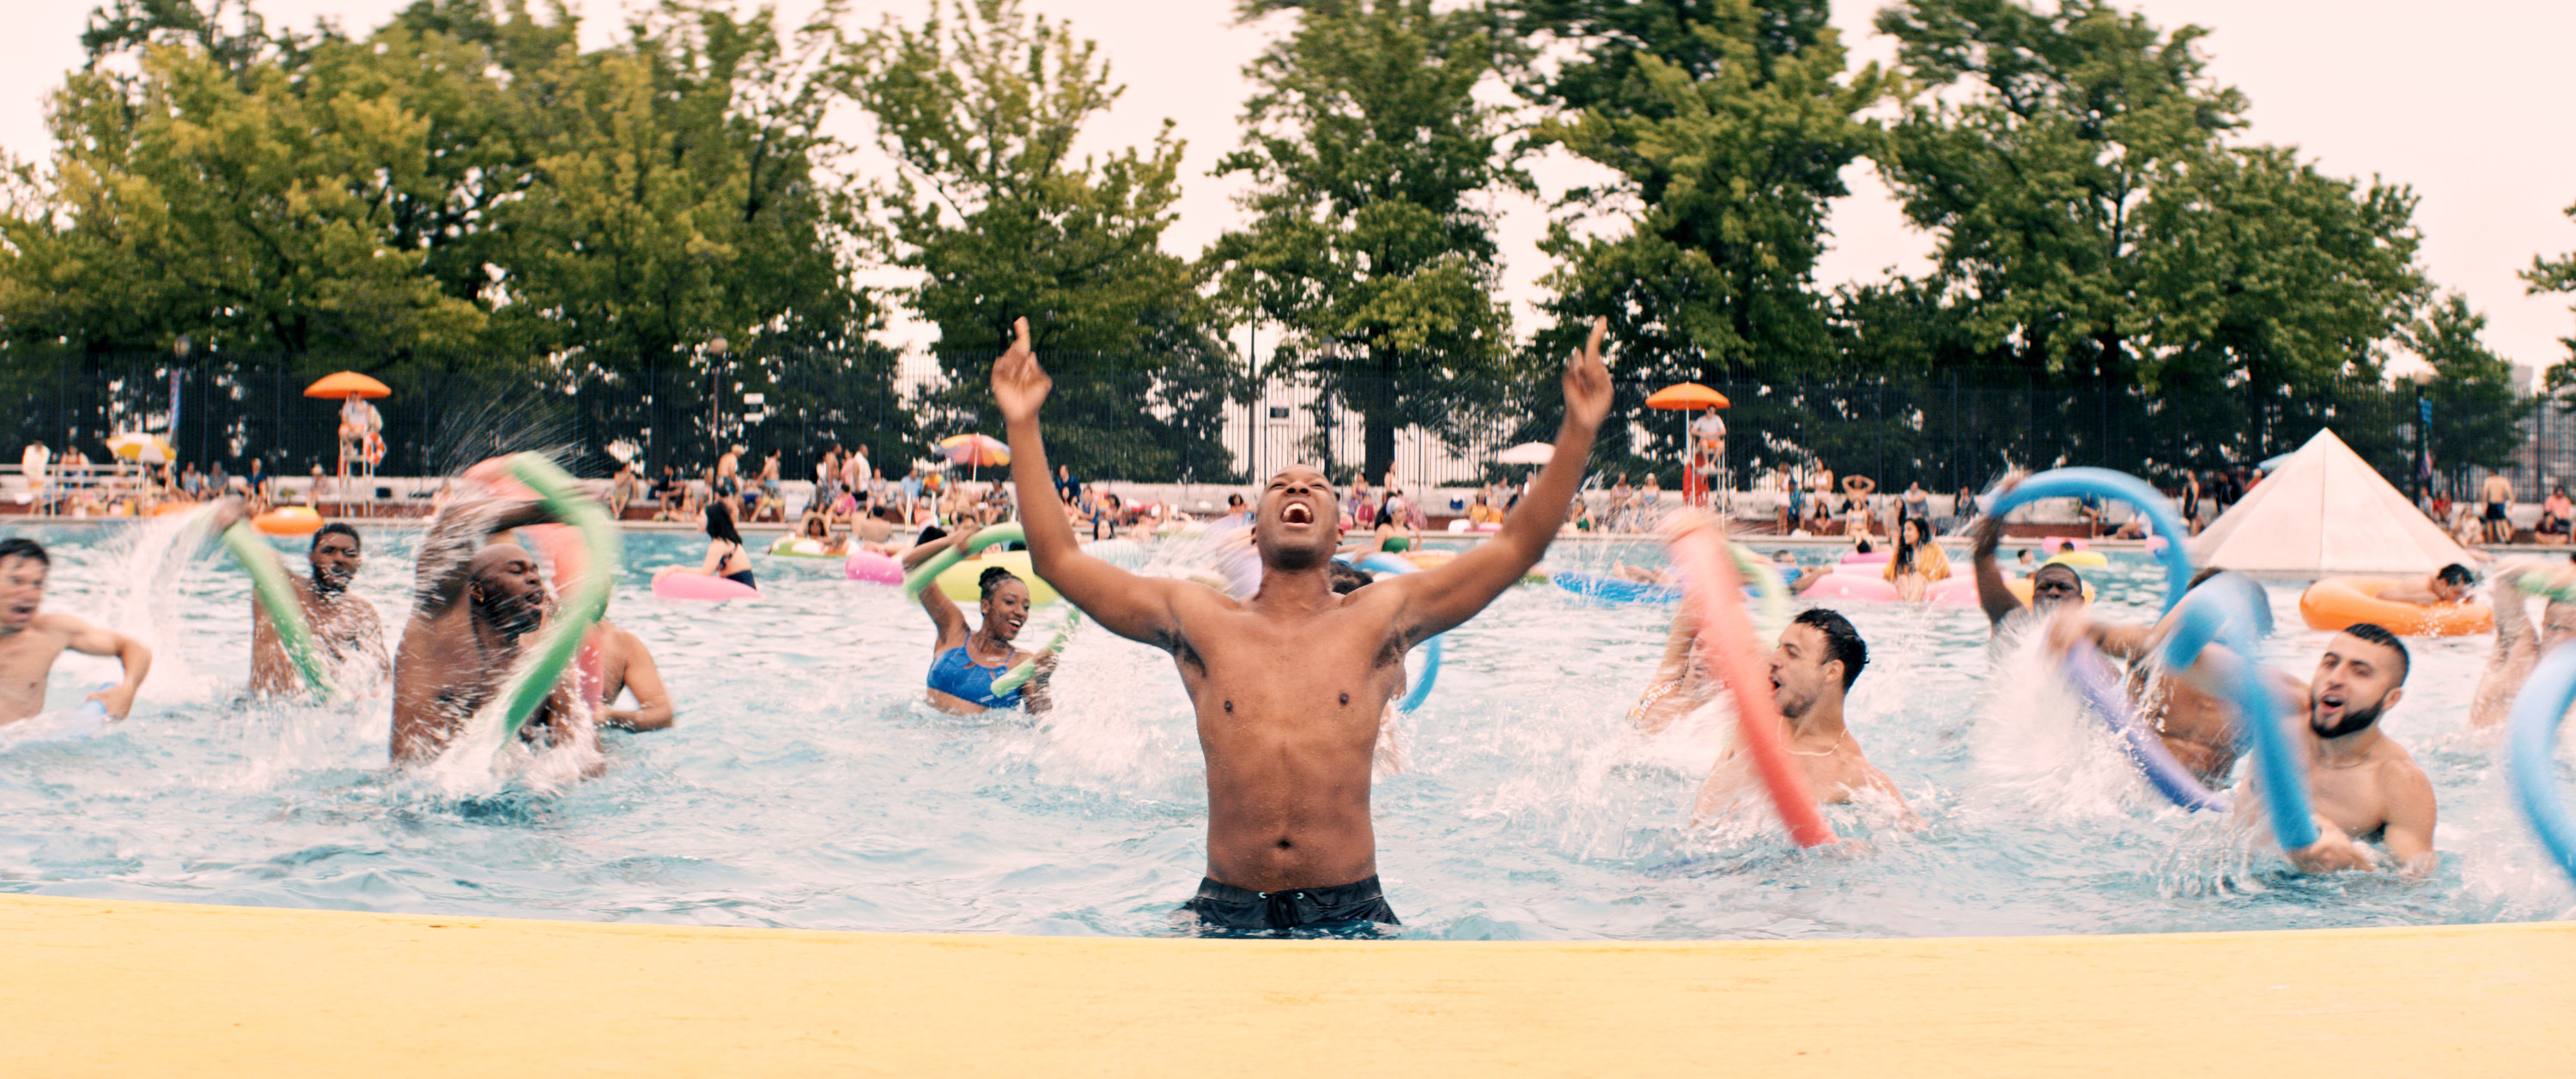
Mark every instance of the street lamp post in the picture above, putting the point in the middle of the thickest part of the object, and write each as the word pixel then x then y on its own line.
pixel 2423 438
pixel 715 396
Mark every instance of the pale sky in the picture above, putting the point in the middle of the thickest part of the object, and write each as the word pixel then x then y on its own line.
pixel 2453 99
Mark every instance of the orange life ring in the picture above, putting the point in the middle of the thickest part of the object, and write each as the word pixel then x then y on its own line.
pixel 1430 559
pixel 372 449
pixel 2337 602
pixel 288 521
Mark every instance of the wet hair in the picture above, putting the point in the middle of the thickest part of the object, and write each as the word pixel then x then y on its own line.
pixel 2458 574
pixel 1842 642
pixel 335 528
pixel 991 579
pixel 1863 546
pixel 720 523
pixel 1347 578
pixel 16 547
pixel 2377 634
pixel 1383 517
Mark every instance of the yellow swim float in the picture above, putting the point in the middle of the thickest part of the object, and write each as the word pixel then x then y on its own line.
pixel 958 582
pixel 2337 602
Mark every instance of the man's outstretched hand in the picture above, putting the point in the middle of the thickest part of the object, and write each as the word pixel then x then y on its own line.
pixel 1019 384
pixel 1587 382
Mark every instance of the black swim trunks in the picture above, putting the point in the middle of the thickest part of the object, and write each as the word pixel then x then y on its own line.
pixel 1344 906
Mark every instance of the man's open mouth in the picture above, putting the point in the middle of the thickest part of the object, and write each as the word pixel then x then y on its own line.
pixel 1297 513
pixel 2330 701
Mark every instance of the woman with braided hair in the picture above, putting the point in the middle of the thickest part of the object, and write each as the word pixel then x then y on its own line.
pixel 966 662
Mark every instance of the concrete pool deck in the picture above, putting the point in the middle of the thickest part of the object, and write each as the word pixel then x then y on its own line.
pixel 101 987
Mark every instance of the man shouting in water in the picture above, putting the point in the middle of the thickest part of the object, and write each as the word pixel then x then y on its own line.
pixel 1288 684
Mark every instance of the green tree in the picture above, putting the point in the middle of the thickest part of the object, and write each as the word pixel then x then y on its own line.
pixel 2476 422
pixel 1729 123
pixel 2556 275
pixel 980 106
pixel 2089 213
pixel 1369 244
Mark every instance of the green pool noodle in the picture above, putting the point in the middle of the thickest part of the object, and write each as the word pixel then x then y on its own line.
pixel 582 607
pixel 285 609
pixel 1026 669
pixel 929 571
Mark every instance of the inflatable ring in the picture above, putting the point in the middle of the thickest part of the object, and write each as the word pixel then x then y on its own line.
pixel 2077 482
pixel 1604 588
pixel 285 609
pixel 2336 602
pixel 1852 587
pixel 873 568
pixel 2099 685
pixel 2545 698
pixel 1382 562
pixel 2020 588
pixel 2087 559
pixel 288 521
pixel 700 587
pixel 962 582
pixel 800 547
pixel 1727 646
pixel 2224 616
pixel 1430 559
pixel 1867 558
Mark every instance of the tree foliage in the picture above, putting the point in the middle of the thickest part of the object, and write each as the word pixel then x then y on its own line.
pixel 1369 243
pixel 981 106
pixel 2475 421
pixel 2556 275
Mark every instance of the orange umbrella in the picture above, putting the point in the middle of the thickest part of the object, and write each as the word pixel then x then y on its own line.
pixel 1686 395
pixel 347 384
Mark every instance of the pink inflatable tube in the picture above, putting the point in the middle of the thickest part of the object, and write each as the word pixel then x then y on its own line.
pixel 1873 558
pixel 873 568
pixel 1868 588
pixel 699 586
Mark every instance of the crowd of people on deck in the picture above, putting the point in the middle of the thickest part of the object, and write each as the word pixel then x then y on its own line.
pixel 1291 747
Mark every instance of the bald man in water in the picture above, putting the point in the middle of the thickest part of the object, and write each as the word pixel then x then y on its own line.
pixel 473 604
pixel 1289 683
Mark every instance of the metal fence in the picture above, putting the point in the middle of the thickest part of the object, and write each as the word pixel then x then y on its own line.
pixel 1187 419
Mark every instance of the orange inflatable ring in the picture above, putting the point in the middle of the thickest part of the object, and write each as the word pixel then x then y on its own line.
pixel 1430 559
pixel 2020 587
pixel 2337 602
pixel 288 521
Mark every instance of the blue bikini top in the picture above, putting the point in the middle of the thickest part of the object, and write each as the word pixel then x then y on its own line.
pixel 956 674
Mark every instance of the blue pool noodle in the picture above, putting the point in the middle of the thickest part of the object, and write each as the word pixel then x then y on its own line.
pixel 2099 686
pixel 2106 483
pixel 1382 562
pixel 2225 616
pixel 2536 714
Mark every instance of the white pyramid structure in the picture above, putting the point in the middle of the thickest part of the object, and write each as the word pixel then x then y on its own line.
pixel 2326 512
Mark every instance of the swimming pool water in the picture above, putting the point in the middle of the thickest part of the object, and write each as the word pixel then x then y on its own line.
pixel 805 786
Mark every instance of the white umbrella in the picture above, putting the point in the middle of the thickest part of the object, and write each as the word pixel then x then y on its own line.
pixel 137 446
pixel 1527 453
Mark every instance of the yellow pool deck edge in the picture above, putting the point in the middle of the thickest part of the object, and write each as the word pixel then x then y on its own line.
pixel 90 987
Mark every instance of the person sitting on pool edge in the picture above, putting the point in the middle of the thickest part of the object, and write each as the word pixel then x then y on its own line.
pixel 30 642
pixel 2450 584
pixel 2363 785
pixel 1290 683
pixel 343 625
pixel 474 602
pixel 964 662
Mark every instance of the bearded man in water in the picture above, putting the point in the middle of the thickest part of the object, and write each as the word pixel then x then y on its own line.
pixel 343 625
pixel 473 604
pixel 1289 684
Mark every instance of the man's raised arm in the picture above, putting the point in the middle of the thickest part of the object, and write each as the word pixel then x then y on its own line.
pixel 1992 593
pixel 1137 608
pixel 1440 598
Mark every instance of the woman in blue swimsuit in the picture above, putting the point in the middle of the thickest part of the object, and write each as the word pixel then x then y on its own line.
pixel 964 662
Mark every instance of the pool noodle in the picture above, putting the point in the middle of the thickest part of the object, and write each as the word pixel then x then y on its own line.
pixel 2076 482
pixel 2224 617
pixel 277 597
pixel 2099 685
pixel 2536 715
pixel 927 572
pixel 1383 562
pixel 1020 673
pixel 1701 555
pixel 582 606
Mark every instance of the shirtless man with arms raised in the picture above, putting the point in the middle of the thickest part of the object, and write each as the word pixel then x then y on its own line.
pixel 343 625
pixel 473 604
pixel 1290 683
pixel 2362 785
pixel 2051 586
pixel 30 642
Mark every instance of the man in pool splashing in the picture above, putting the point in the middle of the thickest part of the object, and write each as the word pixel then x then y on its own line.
pixel 474 602
pixel 1289 683
pixel 344 625
pixel 2362 784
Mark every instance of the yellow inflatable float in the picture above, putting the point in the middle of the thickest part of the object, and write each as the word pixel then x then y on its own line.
pixel 958 582
pixel 288 521
pixel 2336 602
